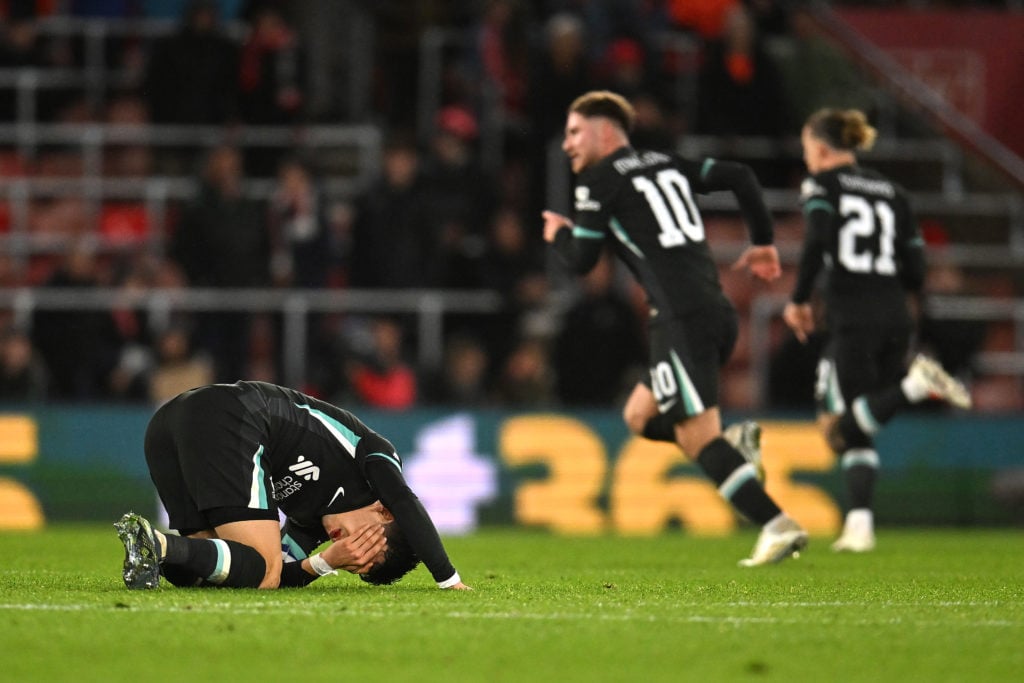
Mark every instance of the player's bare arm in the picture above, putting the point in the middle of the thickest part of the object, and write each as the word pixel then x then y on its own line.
pixel 761 260
pixel 553 222
pixel 800 319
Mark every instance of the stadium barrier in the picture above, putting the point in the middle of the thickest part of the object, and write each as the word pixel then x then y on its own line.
pixel 570 472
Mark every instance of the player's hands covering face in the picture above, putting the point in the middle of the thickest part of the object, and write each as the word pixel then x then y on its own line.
pixel 357 552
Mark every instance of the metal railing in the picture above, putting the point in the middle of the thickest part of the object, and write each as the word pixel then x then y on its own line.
pixel 95 77
pixel 361 143
pixel 428 307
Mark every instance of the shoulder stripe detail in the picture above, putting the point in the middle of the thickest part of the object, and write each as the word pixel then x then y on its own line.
pixel 818 203
pixel 344 436
pixel 706 168
pixel 391 459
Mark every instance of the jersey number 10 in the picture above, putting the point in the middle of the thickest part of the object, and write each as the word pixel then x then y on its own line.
pixel 672 204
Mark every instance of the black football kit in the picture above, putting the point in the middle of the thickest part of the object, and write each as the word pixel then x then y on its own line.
pixel 231 452
pixel 641 204
pixel 861 232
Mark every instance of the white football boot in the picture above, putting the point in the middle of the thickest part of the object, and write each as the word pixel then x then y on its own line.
pixel 746 438
pixel 927 374
pixel 858 533
pixel 780 539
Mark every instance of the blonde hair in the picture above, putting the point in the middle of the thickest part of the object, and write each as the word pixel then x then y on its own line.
pixel 606 104
pixel 842 129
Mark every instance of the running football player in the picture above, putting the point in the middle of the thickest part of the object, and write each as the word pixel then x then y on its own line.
pixel 640 204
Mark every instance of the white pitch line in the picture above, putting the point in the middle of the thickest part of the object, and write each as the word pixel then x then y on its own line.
pixel 271 609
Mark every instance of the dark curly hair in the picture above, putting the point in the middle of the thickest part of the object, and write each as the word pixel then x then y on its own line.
pixel 399 559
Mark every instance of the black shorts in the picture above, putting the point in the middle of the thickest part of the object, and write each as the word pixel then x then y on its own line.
pixel 203 449
pixel 686 356
pixel 859 361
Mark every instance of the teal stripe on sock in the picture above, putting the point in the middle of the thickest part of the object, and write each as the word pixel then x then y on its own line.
pixel 740 476
pixel 866 457
pixel 223 568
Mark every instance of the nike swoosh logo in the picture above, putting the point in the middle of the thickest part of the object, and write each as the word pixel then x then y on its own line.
pixel 663 407
pixel 339 492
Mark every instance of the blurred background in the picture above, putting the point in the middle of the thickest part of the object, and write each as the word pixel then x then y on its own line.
pixel 345 197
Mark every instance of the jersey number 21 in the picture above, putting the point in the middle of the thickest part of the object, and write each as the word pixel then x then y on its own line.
pixel 863 219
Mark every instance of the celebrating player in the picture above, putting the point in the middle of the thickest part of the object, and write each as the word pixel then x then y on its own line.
pixel 860 228
pixel 225 457
pixel 640 203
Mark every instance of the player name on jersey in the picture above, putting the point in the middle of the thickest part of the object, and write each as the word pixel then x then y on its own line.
pixel 856 183
pixel 635 162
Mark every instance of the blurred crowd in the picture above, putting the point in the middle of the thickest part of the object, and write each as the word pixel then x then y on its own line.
pixel 437 216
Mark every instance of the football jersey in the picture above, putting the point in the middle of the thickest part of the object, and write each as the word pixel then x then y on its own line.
pixel 641 204
pixel 862 232
pixel 321 459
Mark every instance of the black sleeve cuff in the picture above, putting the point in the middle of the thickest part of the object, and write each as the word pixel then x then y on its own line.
pixel 294 576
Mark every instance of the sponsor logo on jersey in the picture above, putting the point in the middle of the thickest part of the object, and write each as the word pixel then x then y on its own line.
pixel 583 200
pixel 809 188
pixel 286 486
pixel 305 469
pixel 339 492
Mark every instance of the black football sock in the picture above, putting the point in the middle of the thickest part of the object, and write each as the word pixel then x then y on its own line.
pixel 737 481
pixel 860 469
pixel 223 563
pixel 179 576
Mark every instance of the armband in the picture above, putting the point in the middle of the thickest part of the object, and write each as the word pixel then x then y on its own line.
pixel 320 566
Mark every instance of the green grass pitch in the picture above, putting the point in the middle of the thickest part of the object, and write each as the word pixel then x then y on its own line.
pixel 928 605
